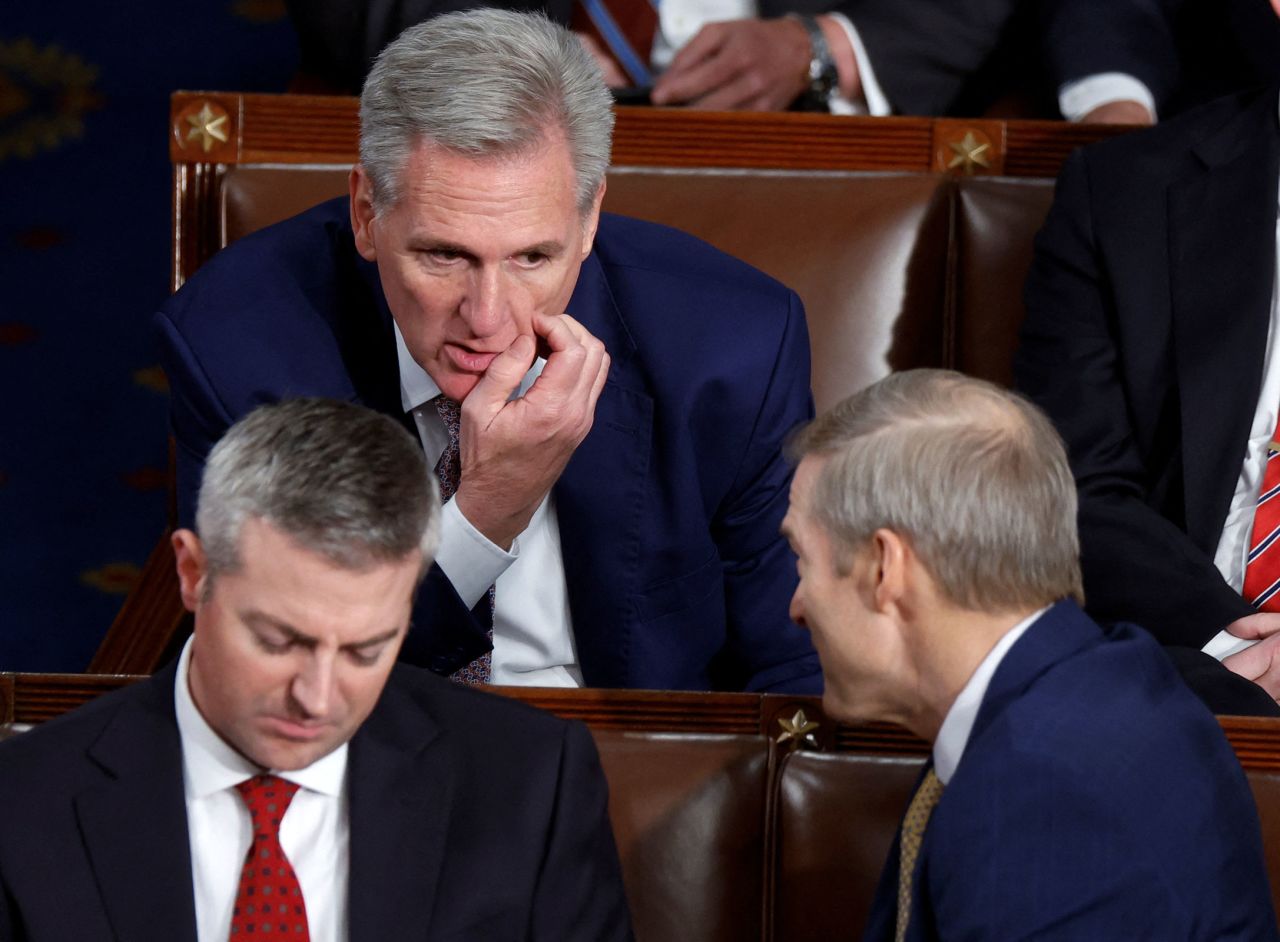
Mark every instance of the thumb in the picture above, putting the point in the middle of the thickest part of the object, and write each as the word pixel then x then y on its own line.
pixel 503 377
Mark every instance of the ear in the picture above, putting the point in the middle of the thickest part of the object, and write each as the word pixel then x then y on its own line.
pixel 192 567
pixel 362 212
pixel 591 221
pixel 890 557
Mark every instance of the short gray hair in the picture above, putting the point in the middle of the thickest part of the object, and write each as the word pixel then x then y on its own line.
pixel 972 475
pixel 345 482
pixel 484 83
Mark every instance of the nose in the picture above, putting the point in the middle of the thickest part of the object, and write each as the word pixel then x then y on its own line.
pixel 312 688
pixel 796 610
pixel 486 308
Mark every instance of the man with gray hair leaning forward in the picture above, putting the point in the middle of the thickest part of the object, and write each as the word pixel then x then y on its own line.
pixel 1076 789
pixel 285 779
pixel 603 399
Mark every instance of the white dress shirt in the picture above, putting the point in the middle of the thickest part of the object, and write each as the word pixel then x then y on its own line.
pixel 313 834
pixel 953 734
pixel 1233 545
pixel 533 641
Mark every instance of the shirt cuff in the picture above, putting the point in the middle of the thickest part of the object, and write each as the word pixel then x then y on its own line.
pixel 873 102
pixel 468 558
pixel 1224 644
pixel 1076 99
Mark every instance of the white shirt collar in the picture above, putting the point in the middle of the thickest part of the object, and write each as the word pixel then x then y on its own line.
pixel 210 765
pixel 953 735
pixel 417 388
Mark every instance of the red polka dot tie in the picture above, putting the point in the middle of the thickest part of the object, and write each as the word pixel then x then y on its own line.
pixel 269 902
pixel 449 471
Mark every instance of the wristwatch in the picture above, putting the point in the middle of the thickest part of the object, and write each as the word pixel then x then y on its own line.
pixel 824 80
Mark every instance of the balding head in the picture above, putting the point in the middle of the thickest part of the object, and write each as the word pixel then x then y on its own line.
pixel 973 476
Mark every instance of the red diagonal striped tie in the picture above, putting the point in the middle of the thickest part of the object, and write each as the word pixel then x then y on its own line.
pixel 1262 572
pixel 622 28
pixel 269 902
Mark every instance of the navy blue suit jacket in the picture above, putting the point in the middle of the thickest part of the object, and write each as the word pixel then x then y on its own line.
pixel 1096 799
pixel 472 817
pixel 668 511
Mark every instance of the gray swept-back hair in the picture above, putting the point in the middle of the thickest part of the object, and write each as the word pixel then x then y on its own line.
pixel 484 83
pixel 974 476
pixel 341 480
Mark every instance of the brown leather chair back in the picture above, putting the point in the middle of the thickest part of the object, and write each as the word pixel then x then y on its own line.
pixel 688 813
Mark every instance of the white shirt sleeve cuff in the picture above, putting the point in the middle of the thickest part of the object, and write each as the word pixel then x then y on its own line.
pixel 468 558
pixel 1224 644
pixel 1076 99
pixel 873 101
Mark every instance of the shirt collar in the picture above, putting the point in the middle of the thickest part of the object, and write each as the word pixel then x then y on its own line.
pixel 210 765
pixel 417 388
pixel 953 735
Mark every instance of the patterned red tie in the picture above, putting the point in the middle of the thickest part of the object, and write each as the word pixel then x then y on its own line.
pixel 449 471
pixel 1262 572
pixel 622 28
pixel 269 902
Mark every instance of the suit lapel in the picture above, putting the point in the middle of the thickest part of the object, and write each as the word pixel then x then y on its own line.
pixel 1222 219
pixel 599 499
pixel 135 823
pixel 400 791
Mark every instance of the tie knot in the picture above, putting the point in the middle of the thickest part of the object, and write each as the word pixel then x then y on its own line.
pixel 267 798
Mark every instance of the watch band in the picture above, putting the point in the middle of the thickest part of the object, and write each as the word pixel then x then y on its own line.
pixel 824 80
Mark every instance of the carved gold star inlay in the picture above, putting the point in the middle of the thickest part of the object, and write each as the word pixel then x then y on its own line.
pixel 207 127
pixel 969 153
pixel 797 729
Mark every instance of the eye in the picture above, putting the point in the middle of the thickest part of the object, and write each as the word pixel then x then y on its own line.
pixel 272 643
pixel 365 657
pixel 532 259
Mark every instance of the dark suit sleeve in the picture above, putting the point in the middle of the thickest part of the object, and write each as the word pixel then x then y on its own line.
pixel 923 51
pixel 445 635
pixel 579 892
pixel 766 651
pixel 1138 565
pixel 1088 37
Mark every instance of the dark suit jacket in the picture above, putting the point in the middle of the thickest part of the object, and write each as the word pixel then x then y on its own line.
pixel 1096 799
pixel 1148 304
pixel 472 817
pixel 925 52
pixel 668 511
pixel 1187 52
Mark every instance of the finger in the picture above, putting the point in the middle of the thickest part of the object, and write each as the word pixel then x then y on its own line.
pixel 1258 664
pixel 701 72
pixel 1258 625
pixel 500 380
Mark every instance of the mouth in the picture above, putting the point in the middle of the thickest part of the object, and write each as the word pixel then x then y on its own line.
pixel 466 360
pixel 296 730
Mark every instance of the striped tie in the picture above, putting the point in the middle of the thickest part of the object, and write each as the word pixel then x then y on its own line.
pixel 1262 572
pixel 913 825
pixel 622 28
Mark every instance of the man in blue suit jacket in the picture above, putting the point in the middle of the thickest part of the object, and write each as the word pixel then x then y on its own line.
pixel 1077 789
pixel 625 389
